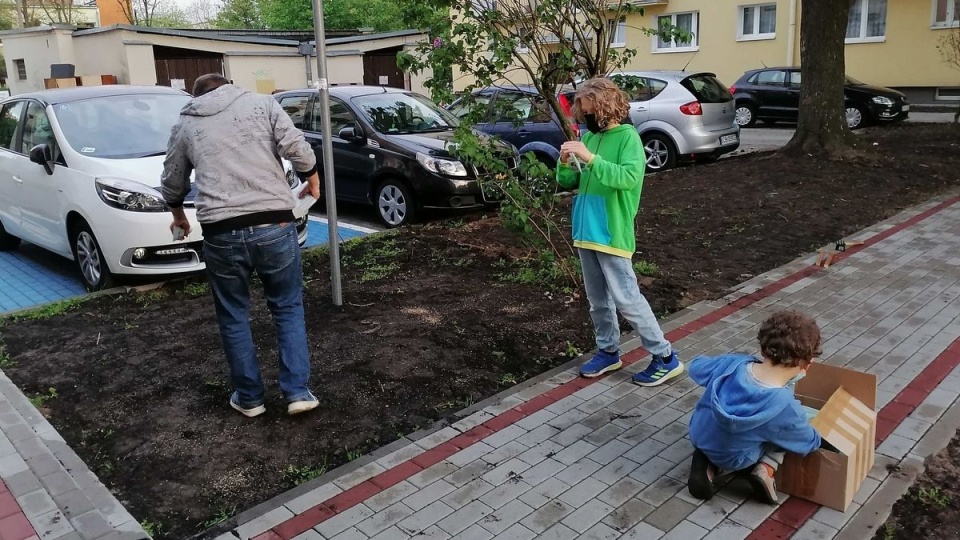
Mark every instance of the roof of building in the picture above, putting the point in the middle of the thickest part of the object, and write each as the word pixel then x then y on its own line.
pixel 67 95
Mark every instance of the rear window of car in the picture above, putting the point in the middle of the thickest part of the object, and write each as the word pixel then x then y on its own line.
pixel 707 89
pixel 639 88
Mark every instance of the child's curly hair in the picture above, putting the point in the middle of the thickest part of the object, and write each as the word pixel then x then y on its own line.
pixel 610 103
pixel 790 339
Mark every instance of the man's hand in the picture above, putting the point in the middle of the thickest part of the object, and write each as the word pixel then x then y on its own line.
pixel 578 149
pixel 180 220
pixel 312 188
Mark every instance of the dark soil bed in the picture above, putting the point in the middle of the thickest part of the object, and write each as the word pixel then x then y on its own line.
pixel 430 326
pixel 931 509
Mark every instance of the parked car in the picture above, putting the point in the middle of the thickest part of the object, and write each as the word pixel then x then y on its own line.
pixel 773 95
pixel 680 116
pixel 520 116
pixel 79 176
pixel 391 149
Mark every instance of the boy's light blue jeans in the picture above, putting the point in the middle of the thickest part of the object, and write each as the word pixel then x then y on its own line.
pixel 611 284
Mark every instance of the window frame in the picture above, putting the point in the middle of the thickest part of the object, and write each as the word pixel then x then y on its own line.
pixel 756 35
pixel 617 29
pixel 306 109
pixel 952 9
pixel 864 18
pixel 21 63
pixel 694 45
pixel 16 140
pixel 954 98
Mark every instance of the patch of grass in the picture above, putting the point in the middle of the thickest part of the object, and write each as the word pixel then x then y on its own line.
pixel 543 271
pixel 223 513
pixel 48 311
pixel 456 223
pixel 508 379
pixel 646 269
pixel 152 529
pixel 889 531
pixel 6 362
pixel 194 290
pixel 455 404
pixel 377 261
pixel 933 496
pixel 152 297
pixel 301 475
pixel 39 399
pixel 353 455
pixel 572 351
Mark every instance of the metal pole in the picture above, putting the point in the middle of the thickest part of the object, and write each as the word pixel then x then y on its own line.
pixel 330 189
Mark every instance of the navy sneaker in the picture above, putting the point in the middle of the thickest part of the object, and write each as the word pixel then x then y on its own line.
pixel 602 362
pixel 246 410
pixel 660 370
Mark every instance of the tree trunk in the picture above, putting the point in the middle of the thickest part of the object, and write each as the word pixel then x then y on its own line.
pixel 822 127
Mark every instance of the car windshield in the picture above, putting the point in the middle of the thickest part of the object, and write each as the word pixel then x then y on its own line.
pixel 120 127
pixel 397 112
pixel 853 82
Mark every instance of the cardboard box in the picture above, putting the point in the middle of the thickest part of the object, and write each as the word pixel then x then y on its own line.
pixel 847 419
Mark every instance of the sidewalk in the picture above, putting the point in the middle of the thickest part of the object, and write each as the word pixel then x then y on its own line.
pixel 565 457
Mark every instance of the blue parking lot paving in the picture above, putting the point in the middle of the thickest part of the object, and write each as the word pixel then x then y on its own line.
pixel 30 276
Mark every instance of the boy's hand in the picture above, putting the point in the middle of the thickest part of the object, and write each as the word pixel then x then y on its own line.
pixel 578 149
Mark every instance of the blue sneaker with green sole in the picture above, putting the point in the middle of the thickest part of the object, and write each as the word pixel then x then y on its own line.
pixel 660 370
pixel 602 362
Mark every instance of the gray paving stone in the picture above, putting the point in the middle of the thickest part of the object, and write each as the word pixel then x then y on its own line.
pixel 728 530
pixel 467 493
pixel 835 519
pixel 620 492
pixel 44 464
pixel 628 515
pixel 651 469
pixel 463 518
pixel 543 493
pixel 313 497
pixel 638 433
pixel 574 452
pixel 587 515
pixel 559 532
pixel 432 474
pixel 424 497
pixel 542 471
pixel 574 474
pixel 540 452
pixel 504 436
pixel 22 483
pixel 349 534
pixel 546 516
pixel 469 472
pixel 344 520
pixel 604 435
pixel 644 451
pixel 264 523
pixel 669 514
pixel 616 470
pixel 510 471
pixel 517 532
pixel 686 530
pixel 504 494
pixel 36 504
pixel 383 519
pixel 505 517
pixel 425 518
pixel 359 476
pixel 895 447
pixel 537 435
pixel 643 531
pixel 712 512
pixel 607 453
pixel 600 532
pixel 29 447
pixel 59 482
pixel 474 532
pixel 814 530
pixel 90 525
pixel 393 533
pixel 660 491
pixel 470 454
pixel 12 464
pixel 508 451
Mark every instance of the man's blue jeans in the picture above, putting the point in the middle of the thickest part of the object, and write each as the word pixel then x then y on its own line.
pixel 611 284
pixel 273 253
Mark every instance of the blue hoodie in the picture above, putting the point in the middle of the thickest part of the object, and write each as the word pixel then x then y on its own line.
pixel 737 416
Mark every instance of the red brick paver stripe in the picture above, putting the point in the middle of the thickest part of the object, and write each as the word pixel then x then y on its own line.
pixel 14 524
pixel 793 513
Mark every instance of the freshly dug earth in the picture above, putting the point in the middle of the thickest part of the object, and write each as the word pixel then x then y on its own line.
pixel 931 509
pixel 438 316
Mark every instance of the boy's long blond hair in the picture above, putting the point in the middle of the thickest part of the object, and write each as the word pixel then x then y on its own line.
pixel 610 103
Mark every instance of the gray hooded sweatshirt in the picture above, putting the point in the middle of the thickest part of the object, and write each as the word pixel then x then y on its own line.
pixel 234 139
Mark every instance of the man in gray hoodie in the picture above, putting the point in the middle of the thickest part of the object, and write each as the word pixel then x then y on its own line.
pixel 234 141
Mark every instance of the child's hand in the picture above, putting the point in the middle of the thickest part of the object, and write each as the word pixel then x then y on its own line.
pixel 578 149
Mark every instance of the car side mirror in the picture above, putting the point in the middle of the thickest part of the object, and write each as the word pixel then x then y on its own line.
pixel 41 154
pixel 350 134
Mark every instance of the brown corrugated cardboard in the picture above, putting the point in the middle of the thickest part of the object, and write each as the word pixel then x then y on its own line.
pixel 847 419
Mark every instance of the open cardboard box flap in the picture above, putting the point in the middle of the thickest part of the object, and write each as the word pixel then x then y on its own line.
pixel 847 419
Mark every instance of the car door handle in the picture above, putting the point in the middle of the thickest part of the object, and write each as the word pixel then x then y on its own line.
pixel 17 179
pixel 523 133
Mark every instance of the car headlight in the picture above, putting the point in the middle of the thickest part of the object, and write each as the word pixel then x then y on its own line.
pixel 129 195
pixel 449 167
pixel 882 100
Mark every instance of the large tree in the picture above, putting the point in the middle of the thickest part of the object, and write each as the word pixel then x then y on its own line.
pixel 949 48
pixel 242 14
pixel 158 13
pixel 822 127
pixel 381 15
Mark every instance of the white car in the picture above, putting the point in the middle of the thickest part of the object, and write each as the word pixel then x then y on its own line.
pixel 79 170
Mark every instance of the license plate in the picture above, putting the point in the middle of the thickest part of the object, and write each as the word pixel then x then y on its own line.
pixel 728 139
pixel 905 108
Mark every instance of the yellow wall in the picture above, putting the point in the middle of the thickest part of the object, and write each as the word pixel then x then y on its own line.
pixel 908 57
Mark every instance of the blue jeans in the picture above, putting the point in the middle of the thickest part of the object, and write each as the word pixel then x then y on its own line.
pixel 273 253
pixel 611 284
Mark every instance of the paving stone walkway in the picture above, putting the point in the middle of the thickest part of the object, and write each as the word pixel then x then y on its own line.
pixel 564 457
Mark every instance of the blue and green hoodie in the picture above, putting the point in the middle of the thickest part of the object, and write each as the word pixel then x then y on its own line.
pixel 606 206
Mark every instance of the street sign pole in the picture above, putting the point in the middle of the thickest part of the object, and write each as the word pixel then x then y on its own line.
pixel 329 187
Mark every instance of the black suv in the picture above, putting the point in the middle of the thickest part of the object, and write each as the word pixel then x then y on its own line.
pixel 773 94
pixel 390 150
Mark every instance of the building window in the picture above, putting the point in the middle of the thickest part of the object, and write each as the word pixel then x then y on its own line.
pixel 688 22
pixel 947 94
pixel 946 13
pixel 618 32
pixel 867 21
pixel 21 69
pixel 758 22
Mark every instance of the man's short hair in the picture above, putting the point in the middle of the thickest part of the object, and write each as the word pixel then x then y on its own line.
pixel 208 83
pixel 789 339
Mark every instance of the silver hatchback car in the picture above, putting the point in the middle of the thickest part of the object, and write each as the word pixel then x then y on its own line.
pixel 680 115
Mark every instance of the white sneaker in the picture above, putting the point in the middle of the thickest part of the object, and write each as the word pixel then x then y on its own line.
pixel 302 406
pixel 249 413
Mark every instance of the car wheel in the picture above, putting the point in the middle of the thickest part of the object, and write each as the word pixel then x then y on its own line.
pixel 660 153
pixel 395 206
pixel 90 260
pixel 855 117
pixel 7 240
pixel 745 115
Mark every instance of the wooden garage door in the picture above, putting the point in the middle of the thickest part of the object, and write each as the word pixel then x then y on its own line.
pixel 185 64
pixel 380 68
